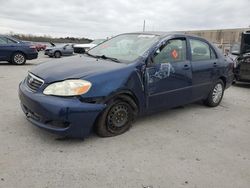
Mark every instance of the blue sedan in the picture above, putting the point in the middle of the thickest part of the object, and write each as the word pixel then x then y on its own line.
pixel 15 51
pixel 129 75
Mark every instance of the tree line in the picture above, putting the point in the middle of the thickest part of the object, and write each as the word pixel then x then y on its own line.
pixel 47 38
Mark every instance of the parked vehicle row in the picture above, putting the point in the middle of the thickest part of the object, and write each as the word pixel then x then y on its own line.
pixel 127 76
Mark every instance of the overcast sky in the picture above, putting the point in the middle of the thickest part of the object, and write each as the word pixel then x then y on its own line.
pixel 102 18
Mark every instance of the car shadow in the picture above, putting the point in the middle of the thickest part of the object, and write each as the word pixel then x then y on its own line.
pixel 164 113
pixel 242 84
pixel 10 64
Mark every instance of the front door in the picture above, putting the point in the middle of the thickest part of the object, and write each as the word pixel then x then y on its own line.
pixel 67 50
pixel 169 76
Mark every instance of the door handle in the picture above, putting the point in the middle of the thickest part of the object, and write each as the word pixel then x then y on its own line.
pixel 215 64
pixel 186 67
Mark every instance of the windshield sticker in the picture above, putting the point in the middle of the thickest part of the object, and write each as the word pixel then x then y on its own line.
pixel 104 46
pixel 174 54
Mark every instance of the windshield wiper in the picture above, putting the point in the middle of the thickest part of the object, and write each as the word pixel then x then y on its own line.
pixel 110 58
pixel 90 55
pixel 103 57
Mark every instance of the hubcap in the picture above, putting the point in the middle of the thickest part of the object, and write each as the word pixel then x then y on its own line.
pixel 19 58
pixel 217 93
pixel 117 117
pixel 57 54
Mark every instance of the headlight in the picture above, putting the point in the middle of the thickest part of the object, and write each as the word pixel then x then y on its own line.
pixel 68 88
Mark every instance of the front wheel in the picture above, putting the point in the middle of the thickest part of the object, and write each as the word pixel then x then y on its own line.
pixel 115 119
pixel 57 54
pixel 216 94
pixel 18 58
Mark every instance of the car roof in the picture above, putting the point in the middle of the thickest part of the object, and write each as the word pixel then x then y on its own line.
pixel 164 34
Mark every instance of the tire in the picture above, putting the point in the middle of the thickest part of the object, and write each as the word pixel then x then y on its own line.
pixel 18 58
pixel 57 54
pixel 216 94
pixel 116 119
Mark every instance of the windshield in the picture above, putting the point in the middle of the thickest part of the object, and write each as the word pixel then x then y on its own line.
pixel 127 47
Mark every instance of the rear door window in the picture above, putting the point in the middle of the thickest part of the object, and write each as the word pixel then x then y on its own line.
pixel 201 51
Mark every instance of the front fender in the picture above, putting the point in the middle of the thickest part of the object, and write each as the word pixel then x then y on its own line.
pixel 124 81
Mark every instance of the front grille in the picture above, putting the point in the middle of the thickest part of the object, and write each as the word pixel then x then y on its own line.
pixel 33 82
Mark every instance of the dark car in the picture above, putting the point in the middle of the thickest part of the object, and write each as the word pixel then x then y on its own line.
pixel 129 75
pixel 59 50
pixel 242 50
pixel 16 51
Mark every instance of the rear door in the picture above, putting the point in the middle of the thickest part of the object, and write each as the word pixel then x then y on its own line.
pixel 204 67
pixel 169 76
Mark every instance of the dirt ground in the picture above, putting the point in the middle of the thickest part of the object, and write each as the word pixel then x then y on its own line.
pixel 192 146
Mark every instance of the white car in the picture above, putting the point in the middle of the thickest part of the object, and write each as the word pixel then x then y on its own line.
pixel 81 48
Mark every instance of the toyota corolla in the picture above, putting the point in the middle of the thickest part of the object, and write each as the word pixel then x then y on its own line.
pixel 127 76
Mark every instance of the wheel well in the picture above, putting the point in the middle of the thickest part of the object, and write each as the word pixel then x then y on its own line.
pixel 18 52
pixel 224 80
pixel 128 96
pixel 58 51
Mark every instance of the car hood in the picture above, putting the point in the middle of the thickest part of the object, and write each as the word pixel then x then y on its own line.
pixel 74 67
pixel 50 47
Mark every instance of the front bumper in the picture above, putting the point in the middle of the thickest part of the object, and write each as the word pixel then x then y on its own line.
pixel 50 53
pixel 63 116
pixel 46 52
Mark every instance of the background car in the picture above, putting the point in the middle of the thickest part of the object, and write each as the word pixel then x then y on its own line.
pixel 242 50
pixel 81 48
pixel 131 74
pixel 40 46
pixel 59 50
pixel 15 51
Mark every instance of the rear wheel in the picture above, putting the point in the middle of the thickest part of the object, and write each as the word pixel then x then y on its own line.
pixel 116 119
pixel 18 58
pixel 57 54
pixel 216 94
